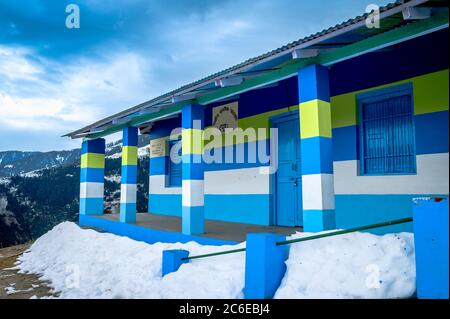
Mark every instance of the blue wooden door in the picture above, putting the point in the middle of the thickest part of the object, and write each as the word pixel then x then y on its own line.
pixel 288 177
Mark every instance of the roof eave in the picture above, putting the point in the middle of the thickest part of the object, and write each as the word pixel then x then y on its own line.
pixel 359 21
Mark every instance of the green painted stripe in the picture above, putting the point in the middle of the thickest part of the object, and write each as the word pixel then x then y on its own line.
pixel 129 155
pixel 191 141
pixel 92 160
pixel 315 119
pixel 255 121
pixel 430 95
pixel 137 121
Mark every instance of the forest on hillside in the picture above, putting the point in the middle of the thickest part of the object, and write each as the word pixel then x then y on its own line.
pixel 31 206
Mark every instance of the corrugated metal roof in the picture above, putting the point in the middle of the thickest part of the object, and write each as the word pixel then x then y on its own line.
pixel 344 33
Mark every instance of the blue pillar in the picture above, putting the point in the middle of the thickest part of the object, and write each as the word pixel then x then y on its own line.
pixel 129 175
pixel 264 265
pixel 172 260
pixel 316 149
pixel 92 171
pixel 192 169
pixel 430 222
pixel 158 161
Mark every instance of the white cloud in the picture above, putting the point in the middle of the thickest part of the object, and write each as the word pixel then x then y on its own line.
pixel 86 90
pixel 153 51
pixel 14 64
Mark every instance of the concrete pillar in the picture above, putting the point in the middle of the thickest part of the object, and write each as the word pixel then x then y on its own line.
pixel 192 169
pixel 92 171
pixel 129 175
pixel 316 149
pixel 172 260
pixel 157 170
pixel 430 222
pixel 264 265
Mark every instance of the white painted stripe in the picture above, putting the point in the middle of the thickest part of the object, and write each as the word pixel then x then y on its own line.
pixel 318 191
pixel 432 178
pixel 157 186
pixel 193 193
pixel 237 181
pixel 128 193
pixel 91 190
pixel 226 182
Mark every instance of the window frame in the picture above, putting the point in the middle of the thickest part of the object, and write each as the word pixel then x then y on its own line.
pixel 374 96
pixel 170 144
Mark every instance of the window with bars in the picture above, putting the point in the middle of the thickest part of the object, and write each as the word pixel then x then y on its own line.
pixel 174 164
pixel 387 142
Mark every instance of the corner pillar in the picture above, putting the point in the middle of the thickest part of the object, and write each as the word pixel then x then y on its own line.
pixel 129 175
pixel 92 172
pixel 316 149
pixel 192 169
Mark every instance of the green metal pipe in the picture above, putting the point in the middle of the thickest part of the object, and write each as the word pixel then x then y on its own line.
pixel 215 254
pixel 335 233
pixel 346 231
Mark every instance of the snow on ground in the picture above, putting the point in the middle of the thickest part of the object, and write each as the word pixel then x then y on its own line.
pixel 86 264
pixel 355 265
pixel 115 155
pixel 142 152
pixel 113 178
pixel 12 290
pixel 35 173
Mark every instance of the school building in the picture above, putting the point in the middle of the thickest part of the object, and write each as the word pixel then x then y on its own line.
pixel 351 124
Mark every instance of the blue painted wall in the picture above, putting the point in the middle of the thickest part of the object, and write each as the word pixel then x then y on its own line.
pixel 360 210
pixel 243 208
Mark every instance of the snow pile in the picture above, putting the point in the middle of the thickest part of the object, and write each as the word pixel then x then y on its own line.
pixel 86 264
pixel 355 265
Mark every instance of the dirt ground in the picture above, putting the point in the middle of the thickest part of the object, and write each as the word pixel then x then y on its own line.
pixel 19 286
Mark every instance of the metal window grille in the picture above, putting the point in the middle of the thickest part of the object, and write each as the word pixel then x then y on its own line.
pixel 388 136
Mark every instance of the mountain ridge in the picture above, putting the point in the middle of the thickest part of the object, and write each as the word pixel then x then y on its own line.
pixel 13 163
pixel 36 196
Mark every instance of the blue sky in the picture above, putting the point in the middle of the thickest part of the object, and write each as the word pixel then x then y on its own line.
pixel 54 79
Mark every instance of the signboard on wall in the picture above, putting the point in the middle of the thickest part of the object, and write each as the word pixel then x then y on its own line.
pixel 225 116
pixel 158 147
